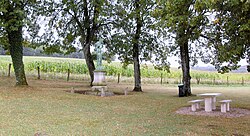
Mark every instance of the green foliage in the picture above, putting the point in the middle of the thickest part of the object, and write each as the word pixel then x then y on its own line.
pixel 185 20
pixel 70 23
pixel 58 67
pixel 230 33
pixel 14 14
pixel 134 25
pixel 73 22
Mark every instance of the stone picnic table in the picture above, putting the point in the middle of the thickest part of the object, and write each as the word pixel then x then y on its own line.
pixel 210 100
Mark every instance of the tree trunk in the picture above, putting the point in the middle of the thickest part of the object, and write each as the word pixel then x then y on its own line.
pixel 16 52
pixel 185 67
pixel 248 59
pixel 137 72
pixel 88 34
pixel 89 62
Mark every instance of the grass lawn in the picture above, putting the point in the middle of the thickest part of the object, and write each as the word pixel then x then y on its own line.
pixel 46 108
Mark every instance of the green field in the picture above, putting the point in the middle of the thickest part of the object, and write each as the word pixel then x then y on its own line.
pixel 52 68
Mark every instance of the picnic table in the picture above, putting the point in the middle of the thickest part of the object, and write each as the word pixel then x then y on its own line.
pixel 210 100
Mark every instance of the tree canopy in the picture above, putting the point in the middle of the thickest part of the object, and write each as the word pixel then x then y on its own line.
pixel 134 37
pixel 73 22
pixel 230 34
pixel 151 43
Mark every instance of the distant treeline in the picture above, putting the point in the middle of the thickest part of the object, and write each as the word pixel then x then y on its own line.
pixel 39 52
pixel 242 69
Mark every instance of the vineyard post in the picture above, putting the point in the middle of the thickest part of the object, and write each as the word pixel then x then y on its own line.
pixel 161 78
pixel 38 73
pixel 9 70
pixel 68 75
pixel 118 78
pixel 242 81
pixel 227 81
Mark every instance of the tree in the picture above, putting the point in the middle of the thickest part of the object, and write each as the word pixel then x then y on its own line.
pixel 73 21
pixel 12 16
pixel 230 34
pixel 133 38
pixel 185 20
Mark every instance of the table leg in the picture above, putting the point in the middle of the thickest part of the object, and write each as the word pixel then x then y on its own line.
pixel 214 103
pixel 102 92
pixel 228 109
pixel 208 104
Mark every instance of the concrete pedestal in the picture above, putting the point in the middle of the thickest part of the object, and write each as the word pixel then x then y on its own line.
pixel 99 83
pixel 99 78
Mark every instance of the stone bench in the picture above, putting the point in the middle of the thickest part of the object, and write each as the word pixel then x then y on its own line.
pixel 195 104
pixel 225 105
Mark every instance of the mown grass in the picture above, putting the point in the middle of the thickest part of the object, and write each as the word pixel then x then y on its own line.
pixel 46 108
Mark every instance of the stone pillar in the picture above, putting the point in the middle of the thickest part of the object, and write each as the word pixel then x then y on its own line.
pixel 99 78
pixel 208 104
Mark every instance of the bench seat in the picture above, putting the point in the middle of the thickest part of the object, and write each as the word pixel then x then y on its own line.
pixel 225 105
pixel 195 104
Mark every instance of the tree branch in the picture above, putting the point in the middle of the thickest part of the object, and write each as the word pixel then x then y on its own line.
pixel 77 20
pixel 208 38
pixel 105 24
pixel 86 21
pixel 94 19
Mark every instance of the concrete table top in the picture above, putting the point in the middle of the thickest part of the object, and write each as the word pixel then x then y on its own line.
pixel 210 100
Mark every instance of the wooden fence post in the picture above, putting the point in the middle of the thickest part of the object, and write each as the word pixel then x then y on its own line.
pixel 68 75
pixel 242 81
pixel 38 73
pixel 161 78
pixel 227 81
pixel 118 81
pixel 9 70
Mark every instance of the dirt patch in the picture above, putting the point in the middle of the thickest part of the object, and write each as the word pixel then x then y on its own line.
pixel 233 113
pixel 96 93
